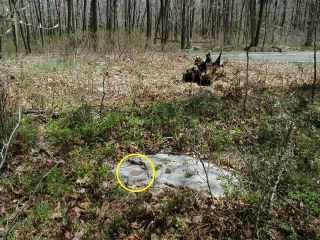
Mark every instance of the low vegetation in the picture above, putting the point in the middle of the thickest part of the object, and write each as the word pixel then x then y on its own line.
pixel 58 183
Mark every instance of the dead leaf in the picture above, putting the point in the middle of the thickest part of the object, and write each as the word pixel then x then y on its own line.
pixel 78 235
pixel 135 225
pixel 84 205
pixel 56 215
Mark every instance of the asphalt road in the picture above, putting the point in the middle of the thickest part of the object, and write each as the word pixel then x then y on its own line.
pixel 294 56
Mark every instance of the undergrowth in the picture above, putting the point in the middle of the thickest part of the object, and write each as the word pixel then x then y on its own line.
pixel 80 195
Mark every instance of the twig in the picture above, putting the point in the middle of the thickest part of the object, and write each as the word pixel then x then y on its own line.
pixel 148 230
pixel 245 99
pixel 4 151
pixel 207 177
pixel 103 91
pixel 281 161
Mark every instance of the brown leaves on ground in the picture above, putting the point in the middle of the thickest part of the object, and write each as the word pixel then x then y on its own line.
pixel 54 82
pixel 39 82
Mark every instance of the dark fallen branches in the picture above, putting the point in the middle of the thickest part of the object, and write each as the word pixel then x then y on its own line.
pixel 204 72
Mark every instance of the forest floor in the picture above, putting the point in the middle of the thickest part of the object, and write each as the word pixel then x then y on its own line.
pixel 56 185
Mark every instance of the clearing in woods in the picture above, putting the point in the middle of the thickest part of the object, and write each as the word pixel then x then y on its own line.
pixel 83 111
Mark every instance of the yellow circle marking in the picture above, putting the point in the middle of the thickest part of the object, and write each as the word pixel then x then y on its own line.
pixel 153 172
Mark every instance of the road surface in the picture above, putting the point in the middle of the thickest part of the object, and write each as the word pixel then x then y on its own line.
pixel 292 56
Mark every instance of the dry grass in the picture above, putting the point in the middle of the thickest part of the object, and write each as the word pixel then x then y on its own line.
pixel 52 82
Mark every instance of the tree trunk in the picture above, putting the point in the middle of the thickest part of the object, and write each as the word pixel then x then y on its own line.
pixel 167 21
pixel 74 24
pixel 310 26
pixel 240 21
pixel 84 20
pixel 58 10
pixel 183 25
pixel 23 34
pixel 162 20
pixel 149 23
pixel 134 15
pixel 274 20
pixel 158 24
pixel 129 16
pixel 93 26
pixel 1 42
pixel 266 16
pixel 188 29
pixel 41 24
pixel 284 13
pixel 28 37
pixel 226 24
pixel 192 18
pixel 203 19
pixel 257 35
pixel 94 17
pixel 14 24
pixel 115 15
pixel 315 24
pixel 49 17
pixel 70 14
pixel 252 21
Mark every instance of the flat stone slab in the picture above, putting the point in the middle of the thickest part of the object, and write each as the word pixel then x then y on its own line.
pixel 172 171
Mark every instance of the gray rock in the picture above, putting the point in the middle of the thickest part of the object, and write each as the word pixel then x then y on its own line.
pixel 173 171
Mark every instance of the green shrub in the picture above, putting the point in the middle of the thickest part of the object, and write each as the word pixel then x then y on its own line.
pixel 27 134
pixel 82 124
pixel 56 183
pixel 42 210
pixel 59 135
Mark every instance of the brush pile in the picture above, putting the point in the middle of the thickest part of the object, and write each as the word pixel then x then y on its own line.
pixel 204 72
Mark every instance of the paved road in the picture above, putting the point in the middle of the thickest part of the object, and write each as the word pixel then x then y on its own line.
pixel 292 56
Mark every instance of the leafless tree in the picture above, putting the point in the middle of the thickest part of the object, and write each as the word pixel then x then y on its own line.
pixel 218 21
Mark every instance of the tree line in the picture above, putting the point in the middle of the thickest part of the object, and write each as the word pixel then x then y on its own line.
pixel 223 22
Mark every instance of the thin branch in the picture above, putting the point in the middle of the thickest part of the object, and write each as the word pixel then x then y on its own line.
pixel 39 27
pixel 207 176
pixel 288 30
pixel 6 145
pixel 245 99
pixel 7 32
pixel 103 91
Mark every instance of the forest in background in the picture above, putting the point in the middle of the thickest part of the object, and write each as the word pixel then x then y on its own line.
pixel 33 24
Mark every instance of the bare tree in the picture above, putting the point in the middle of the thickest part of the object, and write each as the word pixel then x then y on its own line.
pixel 12 5
pixel 253 21
pixel 259 22
pixel 94 17
pixel 70 26
pixel 220 21
pixel 84 20
pixel 183 24
pixel 315 24
pixel 149 19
